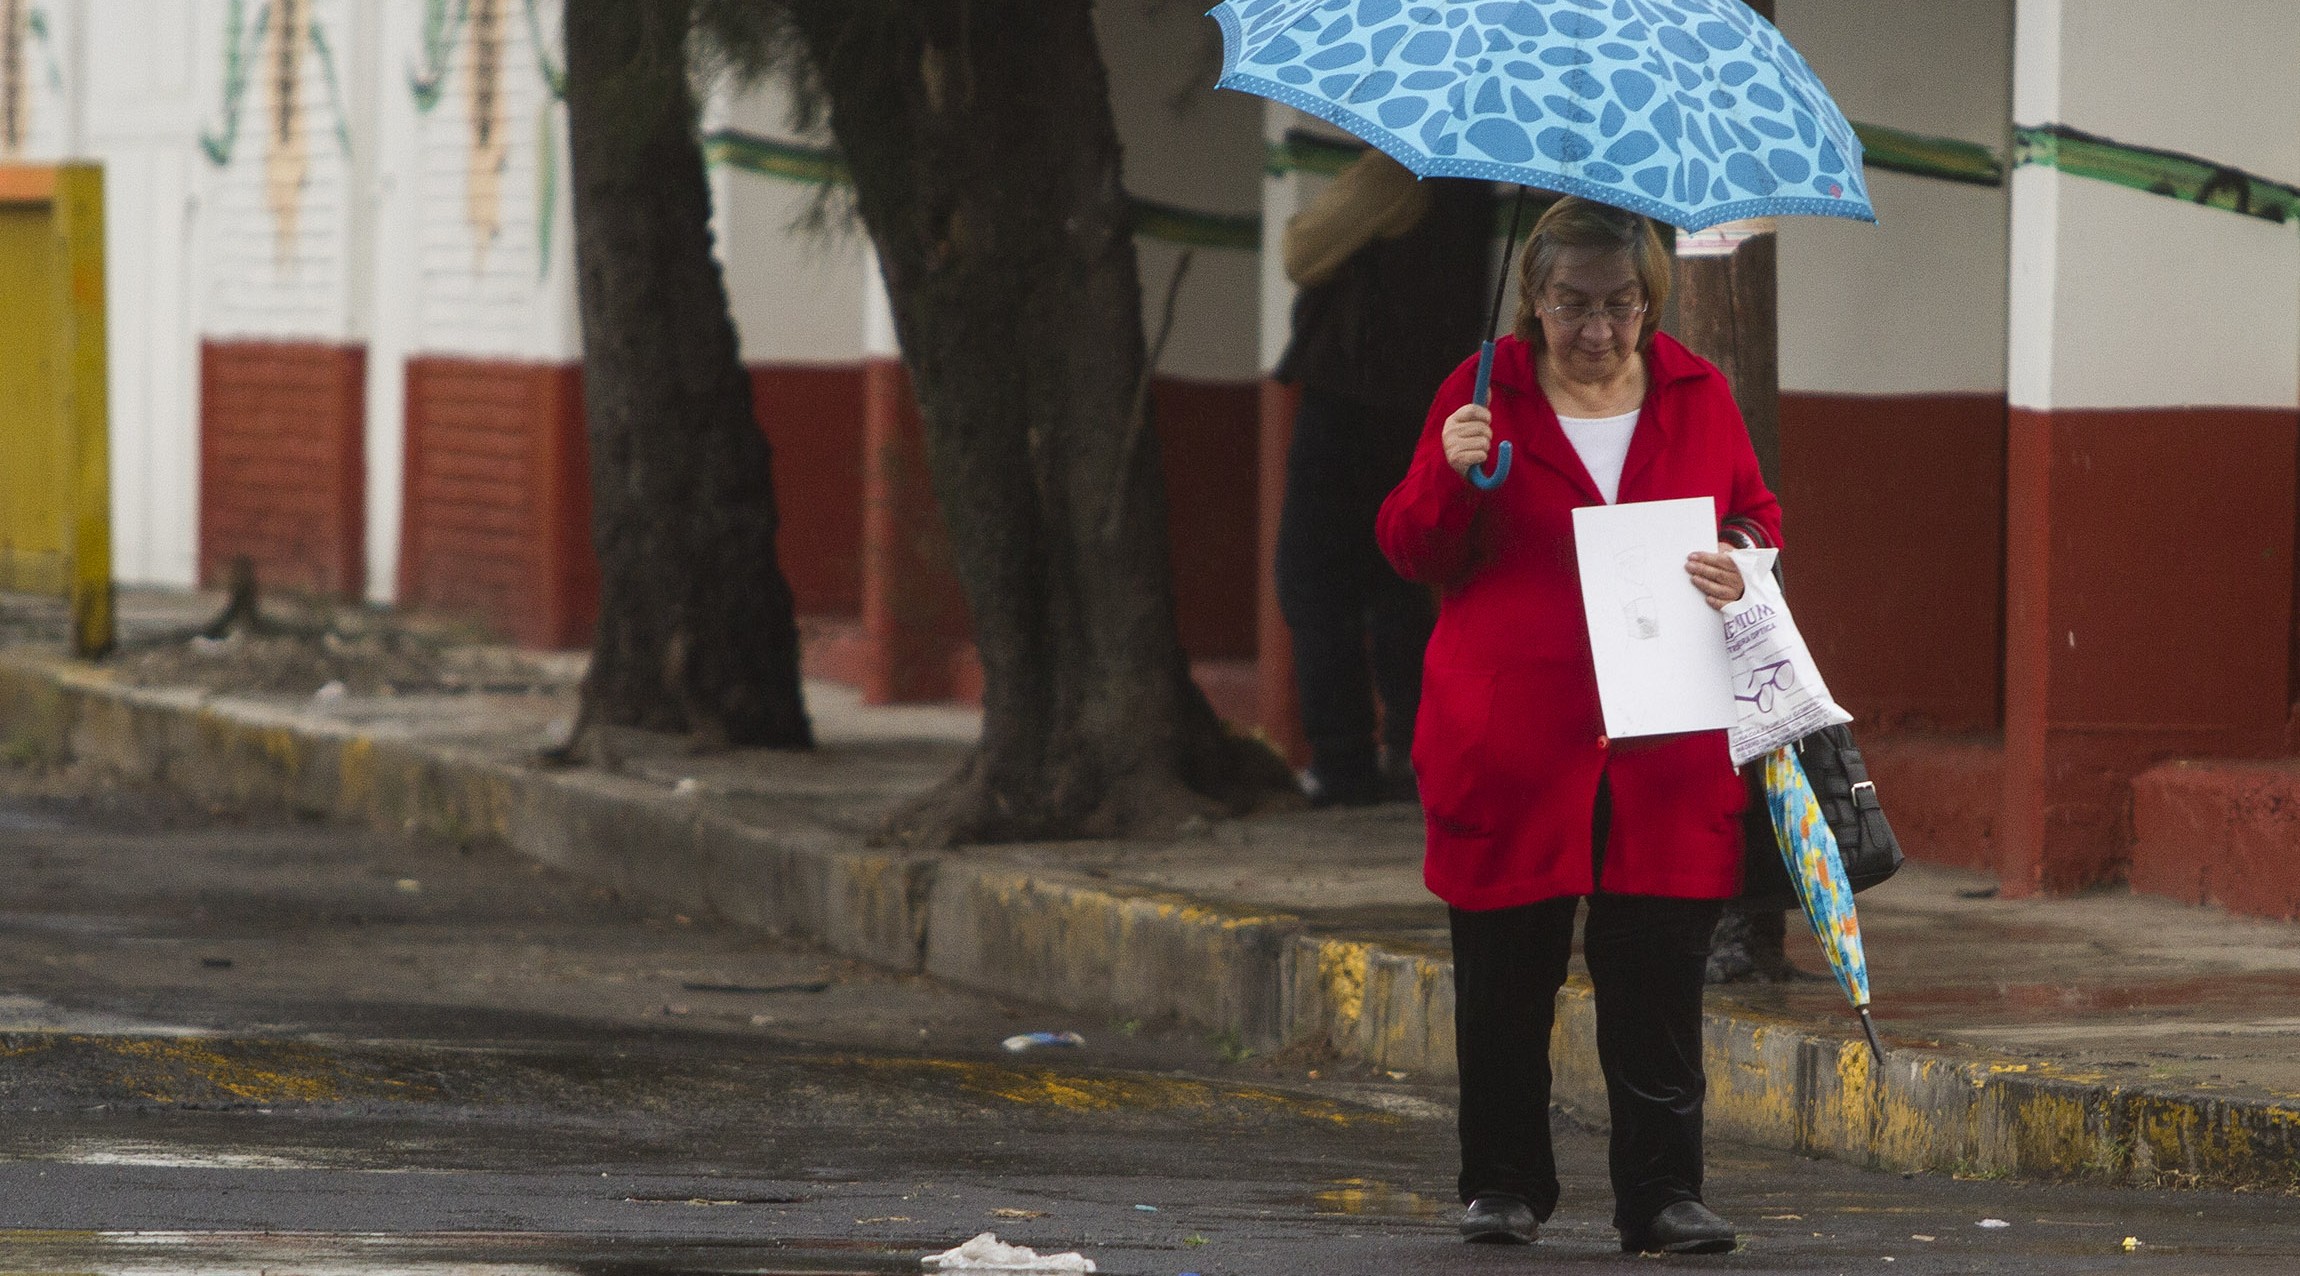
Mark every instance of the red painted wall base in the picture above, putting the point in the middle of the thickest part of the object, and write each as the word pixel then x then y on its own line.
pixel 1941 793
pixel 283 464
pixel 2221 832
pixel 497 513
pixel 2148 615
pixel 1893 510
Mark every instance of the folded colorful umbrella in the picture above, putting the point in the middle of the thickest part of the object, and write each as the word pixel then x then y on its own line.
pixel 1809 849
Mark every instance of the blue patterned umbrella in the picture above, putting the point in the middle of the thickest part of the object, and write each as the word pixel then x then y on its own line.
pixel 1692 112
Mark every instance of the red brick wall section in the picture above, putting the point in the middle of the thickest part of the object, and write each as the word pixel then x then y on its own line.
pixel 915 634
pixel 1942 794
pixel 2220 832
pixel 1280 716
pixel 2148 610
pixel 1207 431
pixel 1894 517
pixel 813 417
pixel 913 611
pixel 497 522
pixel 283 464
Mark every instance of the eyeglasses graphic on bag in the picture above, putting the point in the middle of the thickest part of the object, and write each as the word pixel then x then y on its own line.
pixel 1573 316
pixel 1778 676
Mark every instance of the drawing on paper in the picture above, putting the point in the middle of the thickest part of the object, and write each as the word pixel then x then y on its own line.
pixel 1638 607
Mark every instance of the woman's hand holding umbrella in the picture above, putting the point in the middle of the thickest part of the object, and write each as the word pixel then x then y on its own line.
pixel 1468 438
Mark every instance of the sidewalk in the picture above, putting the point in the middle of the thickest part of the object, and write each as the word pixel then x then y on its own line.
pixel 2108 1036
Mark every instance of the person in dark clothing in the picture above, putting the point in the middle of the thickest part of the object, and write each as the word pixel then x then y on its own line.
pixel 1391 272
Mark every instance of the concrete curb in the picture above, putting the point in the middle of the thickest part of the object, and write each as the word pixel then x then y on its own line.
pixel 983 921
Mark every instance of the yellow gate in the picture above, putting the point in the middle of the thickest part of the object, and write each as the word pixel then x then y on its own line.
pixel 55 467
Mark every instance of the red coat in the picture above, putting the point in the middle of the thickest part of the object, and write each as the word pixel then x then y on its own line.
pixel 1510 742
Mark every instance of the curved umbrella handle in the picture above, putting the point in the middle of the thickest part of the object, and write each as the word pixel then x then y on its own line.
pixel 1485 482
pixel 1478 478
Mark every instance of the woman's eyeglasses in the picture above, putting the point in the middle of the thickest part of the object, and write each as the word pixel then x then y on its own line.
pixel 1573 316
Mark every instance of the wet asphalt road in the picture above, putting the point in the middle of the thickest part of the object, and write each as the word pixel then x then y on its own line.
pixel 231 1043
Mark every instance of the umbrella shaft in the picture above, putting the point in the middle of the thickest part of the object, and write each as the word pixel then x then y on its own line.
pixel 1501 284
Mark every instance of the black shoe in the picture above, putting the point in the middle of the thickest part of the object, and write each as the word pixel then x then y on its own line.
pixel 1688 1227
pixel 1500 1220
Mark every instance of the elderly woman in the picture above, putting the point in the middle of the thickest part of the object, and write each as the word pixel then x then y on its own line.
pixel 1530 808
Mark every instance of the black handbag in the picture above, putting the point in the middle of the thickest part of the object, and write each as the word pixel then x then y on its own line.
pixel 1848 802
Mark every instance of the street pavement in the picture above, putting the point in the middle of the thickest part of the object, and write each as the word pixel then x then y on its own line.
pixel 236 1042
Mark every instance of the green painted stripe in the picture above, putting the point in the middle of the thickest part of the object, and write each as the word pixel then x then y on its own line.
pixel 822 166
pixel 1947 159
pixel 2172 174
pixel 2160 172
pixel 1194 229
pixel 791 161
pixel 1305 152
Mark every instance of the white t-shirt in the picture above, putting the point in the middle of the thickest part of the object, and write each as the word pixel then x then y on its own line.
pixel 1603 442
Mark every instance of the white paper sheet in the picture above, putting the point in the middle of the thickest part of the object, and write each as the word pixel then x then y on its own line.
pixel 1660 647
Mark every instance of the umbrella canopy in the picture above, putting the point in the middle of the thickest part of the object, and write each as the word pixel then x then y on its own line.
pixel 1809 848
pixel 1693 112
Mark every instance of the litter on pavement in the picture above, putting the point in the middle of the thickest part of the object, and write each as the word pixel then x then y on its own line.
pixel 987 1253
pixel 1033 1040
pixel 1992 1223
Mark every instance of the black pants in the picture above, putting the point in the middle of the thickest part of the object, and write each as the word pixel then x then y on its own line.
pixel 1357 628
pixel 1646 958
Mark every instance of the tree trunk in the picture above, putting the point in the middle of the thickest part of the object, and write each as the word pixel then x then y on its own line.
pixel 986 166
pixel 1726 309
pixel 696 633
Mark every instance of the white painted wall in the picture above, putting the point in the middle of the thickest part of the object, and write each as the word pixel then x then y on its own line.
pixel 1192 146
pixel 392 161
pixel 1916 303
pixel 511 294
pixel 137 110
pixel 812 294
pixel 2121 298
pixel 49 66
pixel 2125 299
pixel 269 277
pixel 798 291
pixel 2209 77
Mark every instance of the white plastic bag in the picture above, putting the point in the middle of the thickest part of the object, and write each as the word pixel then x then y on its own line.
pixel 1777 689
pixel 987 1253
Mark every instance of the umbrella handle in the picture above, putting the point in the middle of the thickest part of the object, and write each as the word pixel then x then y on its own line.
pixel 1869 1030
pixel 1478 478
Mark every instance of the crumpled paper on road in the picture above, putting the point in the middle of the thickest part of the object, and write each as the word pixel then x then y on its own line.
pixel 987 1253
